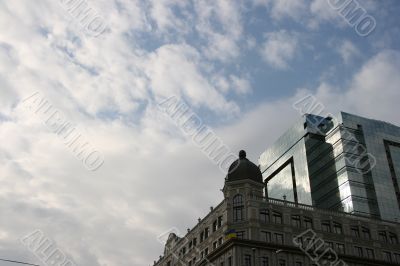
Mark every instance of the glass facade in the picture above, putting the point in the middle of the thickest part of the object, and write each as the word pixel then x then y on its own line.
pixel 349 164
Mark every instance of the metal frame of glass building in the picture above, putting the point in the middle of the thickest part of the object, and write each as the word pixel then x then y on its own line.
pixel 347 163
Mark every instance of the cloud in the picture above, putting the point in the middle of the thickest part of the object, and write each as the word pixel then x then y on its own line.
pixel 153 178
pixel 348 51
pixel 372 91
pixel 279 48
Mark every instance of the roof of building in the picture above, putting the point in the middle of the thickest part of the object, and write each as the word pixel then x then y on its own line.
pixel 243 168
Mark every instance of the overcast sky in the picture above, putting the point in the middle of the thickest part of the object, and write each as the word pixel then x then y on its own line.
pixel 239 65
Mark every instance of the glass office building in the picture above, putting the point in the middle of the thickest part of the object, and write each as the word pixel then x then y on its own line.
pixel 347 163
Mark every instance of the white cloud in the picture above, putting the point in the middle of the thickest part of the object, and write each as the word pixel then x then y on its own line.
pixel 220 25
pixel 108 86
pixel 348 51
pixel 373 91
pixel 279 48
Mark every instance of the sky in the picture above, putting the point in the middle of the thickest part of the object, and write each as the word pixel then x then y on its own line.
pixel 238 65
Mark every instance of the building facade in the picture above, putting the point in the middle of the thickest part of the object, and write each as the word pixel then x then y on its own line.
pixel 248 229
pixel 348 163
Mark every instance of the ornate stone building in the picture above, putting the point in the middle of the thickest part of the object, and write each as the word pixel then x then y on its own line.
pixel 247 229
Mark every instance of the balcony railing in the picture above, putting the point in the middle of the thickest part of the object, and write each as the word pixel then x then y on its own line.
pixel 306 207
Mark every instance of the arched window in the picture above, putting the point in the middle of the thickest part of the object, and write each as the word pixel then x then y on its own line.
pixel 238 208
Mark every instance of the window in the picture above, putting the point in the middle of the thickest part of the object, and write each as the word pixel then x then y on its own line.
pixel 264 261
pixel 206 252
pixel 382 236
pixel 238 208
pixel 393 238
pixel 340 248
pixel 277 217
pixel 279 238
pixel 201 236
pixel 215 223
pixel 354 231
pixel 337 228
pixel 296 220
pixel 308 222
pixel 230 261
pixel 194 242
pixel 264 215
pixel 220 241
pixel 358 251
pixel 370 253
pixel 240 234
pixel 247 260
pixel 206 233
pixel 366 233
pixel 219 221
pixel 282 262
pixel 215 245
pixel 168 263
pixel 396 257
pixel 387 256
pixel 265 236
pixel 326 226
pixel 329 244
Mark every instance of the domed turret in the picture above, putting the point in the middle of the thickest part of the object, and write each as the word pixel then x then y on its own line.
pixel 242 168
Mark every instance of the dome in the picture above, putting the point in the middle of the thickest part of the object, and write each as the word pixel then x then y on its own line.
pixel 242 168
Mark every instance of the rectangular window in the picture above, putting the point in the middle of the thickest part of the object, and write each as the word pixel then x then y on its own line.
pixel 340 248
pixel 240 234
pixel 354 231
pixel 308 223
pixel 219 221
pixel 230 261
pixel 382 236
pixel 201 237
pixel 215 226
pixel 366 233
pixel 337 228
pixel 206 233
pixel 387 256
pixel 247 260
pixel 194 242
pixel 215 245
pixel 370 253
pixel 326 226
pixel 220 241
pixel 396 257
pixel 206 252
pixel 264 215
pixel 265 236
pixel 393 238
pixel 277 218
pixel 264 261
pixel 279 238
pixel 282 262
pixel 358 251
pixel 296 220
